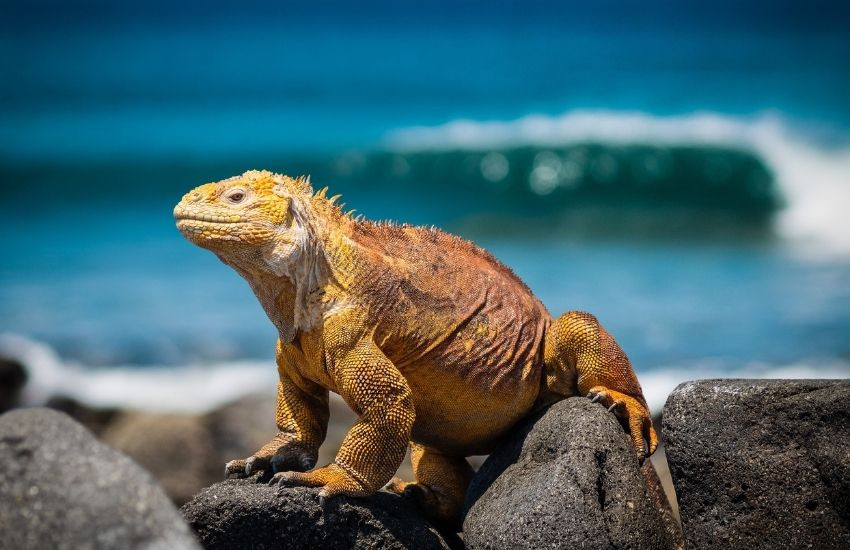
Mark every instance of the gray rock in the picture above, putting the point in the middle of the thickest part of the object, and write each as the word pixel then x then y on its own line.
pixel 761 463
pixel 61 488
pixel 187 452
pixel 96 419
pixel 240 513
pixel 241 427
pixel 177 449
pixel 567 478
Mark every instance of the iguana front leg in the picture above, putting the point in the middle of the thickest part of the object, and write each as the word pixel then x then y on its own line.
pixel 577 343
pixel 302 420
pixel 374 447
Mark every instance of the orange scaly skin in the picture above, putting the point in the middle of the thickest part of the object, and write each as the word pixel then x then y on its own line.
pixel 428 338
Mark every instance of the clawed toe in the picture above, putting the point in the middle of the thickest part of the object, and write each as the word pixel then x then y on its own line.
pixel 616 407
pixel 245 467
pixel 249 465
pixel 595 396
pixel 235 467
pixel 281 479
pixel 632 414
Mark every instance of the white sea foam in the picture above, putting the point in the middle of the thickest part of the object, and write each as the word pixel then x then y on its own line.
pixel 203 387
pixel 814 180
pixel 193 388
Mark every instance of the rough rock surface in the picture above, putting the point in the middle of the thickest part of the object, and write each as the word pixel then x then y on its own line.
pixel 61 488
pixel 761 463
pixel 241 513
pixel 565 479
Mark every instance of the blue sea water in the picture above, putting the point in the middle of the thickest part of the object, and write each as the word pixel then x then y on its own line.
pixel 683 173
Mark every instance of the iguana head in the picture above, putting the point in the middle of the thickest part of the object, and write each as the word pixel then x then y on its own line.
pixel 248 219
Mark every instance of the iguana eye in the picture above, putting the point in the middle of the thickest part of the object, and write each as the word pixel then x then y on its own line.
pixel 235 195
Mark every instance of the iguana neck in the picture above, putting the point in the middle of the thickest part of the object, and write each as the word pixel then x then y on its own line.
pixel 296 292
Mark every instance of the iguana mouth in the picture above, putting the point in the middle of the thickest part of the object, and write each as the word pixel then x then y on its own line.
pixel 182 214
pixel 209 219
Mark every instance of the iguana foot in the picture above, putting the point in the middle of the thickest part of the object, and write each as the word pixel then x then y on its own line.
pixel 434 505
pixel 273 457
pixel 333 480
pixel 632 414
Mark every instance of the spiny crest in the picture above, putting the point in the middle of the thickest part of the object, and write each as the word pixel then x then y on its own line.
pixel 300 186
pixel 285 185
pixel 279 184
pixel 321 199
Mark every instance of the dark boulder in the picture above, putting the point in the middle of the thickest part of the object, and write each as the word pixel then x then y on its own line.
pixel 566 478
pixel 61 488
pixel 761 463
pixel 240 513
pixel 13 376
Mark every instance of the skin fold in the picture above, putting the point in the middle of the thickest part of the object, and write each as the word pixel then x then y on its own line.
pixel 433 342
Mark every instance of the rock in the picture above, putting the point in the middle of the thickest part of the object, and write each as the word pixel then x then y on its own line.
pixel 661 499
pixel 13 376
pixel 241 427
pixel 61 488
pixel 566 478
pixel 761 463
pixel 241 513
pixel 178 449
pixel 187 452
pixel 96 419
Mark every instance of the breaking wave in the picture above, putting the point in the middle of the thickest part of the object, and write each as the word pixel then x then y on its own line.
pixel 759 167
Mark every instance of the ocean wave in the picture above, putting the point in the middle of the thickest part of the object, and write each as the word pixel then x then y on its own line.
pixel 200 388
pixel 813 180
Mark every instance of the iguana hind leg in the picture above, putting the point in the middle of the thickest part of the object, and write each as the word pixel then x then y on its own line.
pixel 579 352
pixel 440 486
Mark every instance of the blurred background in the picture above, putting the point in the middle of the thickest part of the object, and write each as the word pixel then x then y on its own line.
pixel 683 172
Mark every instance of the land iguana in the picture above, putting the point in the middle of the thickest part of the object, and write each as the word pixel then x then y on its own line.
pixel 433 342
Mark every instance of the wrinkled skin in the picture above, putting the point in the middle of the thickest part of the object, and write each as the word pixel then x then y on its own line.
pixel 429 339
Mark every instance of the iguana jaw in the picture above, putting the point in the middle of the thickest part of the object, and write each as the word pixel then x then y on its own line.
pixel 182 213
pixel 204 228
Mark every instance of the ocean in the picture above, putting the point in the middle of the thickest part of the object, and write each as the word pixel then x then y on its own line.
pixel 682 173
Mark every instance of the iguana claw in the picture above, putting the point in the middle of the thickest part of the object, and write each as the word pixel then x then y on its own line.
pixel 614 405
pixel 633 414
pixel 235 467
pixel 594 397
pixel 249 465
pixel 332 479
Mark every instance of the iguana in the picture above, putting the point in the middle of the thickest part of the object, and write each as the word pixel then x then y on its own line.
pixel 433 342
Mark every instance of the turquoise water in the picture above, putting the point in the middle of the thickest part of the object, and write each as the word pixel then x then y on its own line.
pixel 683 175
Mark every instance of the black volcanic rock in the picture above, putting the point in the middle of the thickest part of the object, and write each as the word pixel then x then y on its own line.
pixel 566 479
pixel 761 463
pixel 13 376
pixel 240 513
pixel 61 488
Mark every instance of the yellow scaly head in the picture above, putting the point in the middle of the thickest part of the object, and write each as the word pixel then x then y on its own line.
pixel 246 217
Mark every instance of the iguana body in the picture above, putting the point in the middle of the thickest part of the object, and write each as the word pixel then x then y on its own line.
pixel 429 339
